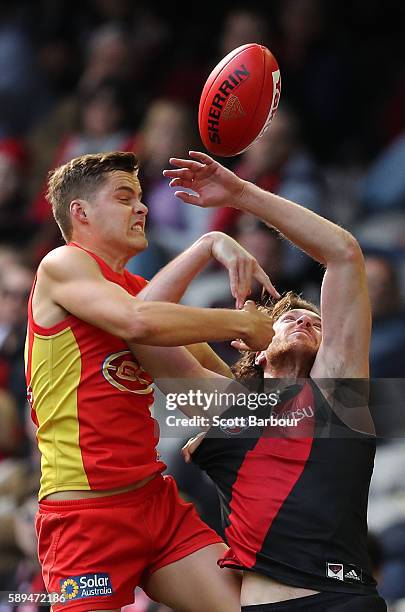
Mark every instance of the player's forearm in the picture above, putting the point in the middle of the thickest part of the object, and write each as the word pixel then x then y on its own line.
pixel 209 359
pixel 319 238
pixel 165 324
pixel 170 283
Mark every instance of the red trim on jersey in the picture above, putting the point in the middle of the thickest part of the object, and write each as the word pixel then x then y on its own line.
pixel 45 331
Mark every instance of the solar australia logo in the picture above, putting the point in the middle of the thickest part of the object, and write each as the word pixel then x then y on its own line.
pixel 87 585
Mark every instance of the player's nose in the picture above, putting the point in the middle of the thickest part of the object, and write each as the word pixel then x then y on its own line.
pixel 140 209
pixel 304 321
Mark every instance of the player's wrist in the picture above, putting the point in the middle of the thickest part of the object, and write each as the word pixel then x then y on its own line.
pixel 203 246
pixel 241 196
pixel 246 326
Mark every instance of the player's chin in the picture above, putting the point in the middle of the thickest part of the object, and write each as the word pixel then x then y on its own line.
pixel 139 242
pixel 303 344
pixel 301 340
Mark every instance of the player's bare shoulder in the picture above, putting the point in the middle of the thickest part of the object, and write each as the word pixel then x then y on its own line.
pixel 62 265
pixel 66 262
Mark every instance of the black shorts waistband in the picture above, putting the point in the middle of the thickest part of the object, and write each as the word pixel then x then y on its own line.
pixel 321 602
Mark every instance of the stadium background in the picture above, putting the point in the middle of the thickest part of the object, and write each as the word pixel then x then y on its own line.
pixel 114 74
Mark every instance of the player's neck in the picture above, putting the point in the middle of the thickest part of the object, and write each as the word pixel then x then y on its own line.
pixel 114 259
pixel 287 368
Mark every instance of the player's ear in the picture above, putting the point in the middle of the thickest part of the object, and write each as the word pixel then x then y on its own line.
pixel 78 210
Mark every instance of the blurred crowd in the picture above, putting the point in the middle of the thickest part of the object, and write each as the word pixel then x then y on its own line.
pixel 104 75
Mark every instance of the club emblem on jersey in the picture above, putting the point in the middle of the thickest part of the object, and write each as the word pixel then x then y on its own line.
pixel 239 427
pixel 335 570
pixel 124 372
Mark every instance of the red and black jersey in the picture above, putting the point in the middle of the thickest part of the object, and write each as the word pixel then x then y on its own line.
pixel 294 505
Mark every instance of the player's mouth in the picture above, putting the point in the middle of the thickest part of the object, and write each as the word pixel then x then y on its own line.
pixel 302 331
pixel 138 227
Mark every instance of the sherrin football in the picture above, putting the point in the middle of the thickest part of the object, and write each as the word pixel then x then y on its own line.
pixel 239 100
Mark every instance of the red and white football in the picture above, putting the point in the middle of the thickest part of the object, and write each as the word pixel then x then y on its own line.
pixel 239 100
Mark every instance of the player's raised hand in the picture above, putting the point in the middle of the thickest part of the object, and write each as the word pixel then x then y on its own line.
pixel 213 184
pixel 243 268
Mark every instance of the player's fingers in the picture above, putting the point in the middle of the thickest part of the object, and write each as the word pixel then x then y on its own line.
pixel 244 281
pixel 181 173
pixel 188 198
pixel 248 276
pixel 234 280
pixel 179 182
pixel 186 163
pixel 250 306
pixel 261 276
pixel 202 157
pixel 239 345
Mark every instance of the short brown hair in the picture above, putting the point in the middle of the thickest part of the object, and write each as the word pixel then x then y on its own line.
pixel 79 178
pixel 245 367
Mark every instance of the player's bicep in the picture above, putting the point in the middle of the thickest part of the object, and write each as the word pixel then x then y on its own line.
pixel 74 282
pixel 100 303
pixel 346 320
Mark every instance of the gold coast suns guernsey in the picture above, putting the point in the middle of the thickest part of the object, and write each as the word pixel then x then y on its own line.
pixel 91 402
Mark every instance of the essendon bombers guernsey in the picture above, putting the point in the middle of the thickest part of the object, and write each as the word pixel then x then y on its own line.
pixel 91 402
pixel 294 505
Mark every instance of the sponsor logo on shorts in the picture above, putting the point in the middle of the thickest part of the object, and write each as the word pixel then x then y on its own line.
pixel 335 570
pixel 86 585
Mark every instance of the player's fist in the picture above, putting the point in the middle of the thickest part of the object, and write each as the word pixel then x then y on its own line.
pixel 260 333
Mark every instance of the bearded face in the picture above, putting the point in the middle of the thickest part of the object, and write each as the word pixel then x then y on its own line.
pixel 298 335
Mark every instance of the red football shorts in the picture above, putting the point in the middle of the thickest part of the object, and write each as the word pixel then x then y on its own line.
pixel 94 552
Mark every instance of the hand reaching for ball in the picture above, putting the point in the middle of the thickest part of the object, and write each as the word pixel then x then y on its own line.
pixel 213 184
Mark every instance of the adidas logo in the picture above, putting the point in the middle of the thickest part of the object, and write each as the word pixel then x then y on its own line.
pixel 233 108
pixel 352 575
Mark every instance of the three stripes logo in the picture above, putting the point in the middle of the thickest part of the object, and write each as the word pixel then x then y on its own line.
pixel 352 575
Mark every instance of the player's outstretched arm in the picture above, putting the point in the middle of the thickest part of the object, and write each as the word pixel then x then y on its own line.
pixel 170 283
pixel 346 318
pixel 71 279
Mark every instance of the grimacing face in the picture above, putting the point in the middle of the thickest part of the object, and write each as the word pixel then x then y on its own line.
pixel 117 213
pixel 298 331
pixel 299 326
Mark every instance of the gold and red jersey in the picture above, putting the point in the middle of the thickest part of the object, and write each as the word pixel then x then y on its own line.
pixel 91 402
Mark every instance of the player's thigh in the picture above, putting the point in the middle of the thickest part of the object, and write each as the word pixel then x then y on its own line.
pixel 196 583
